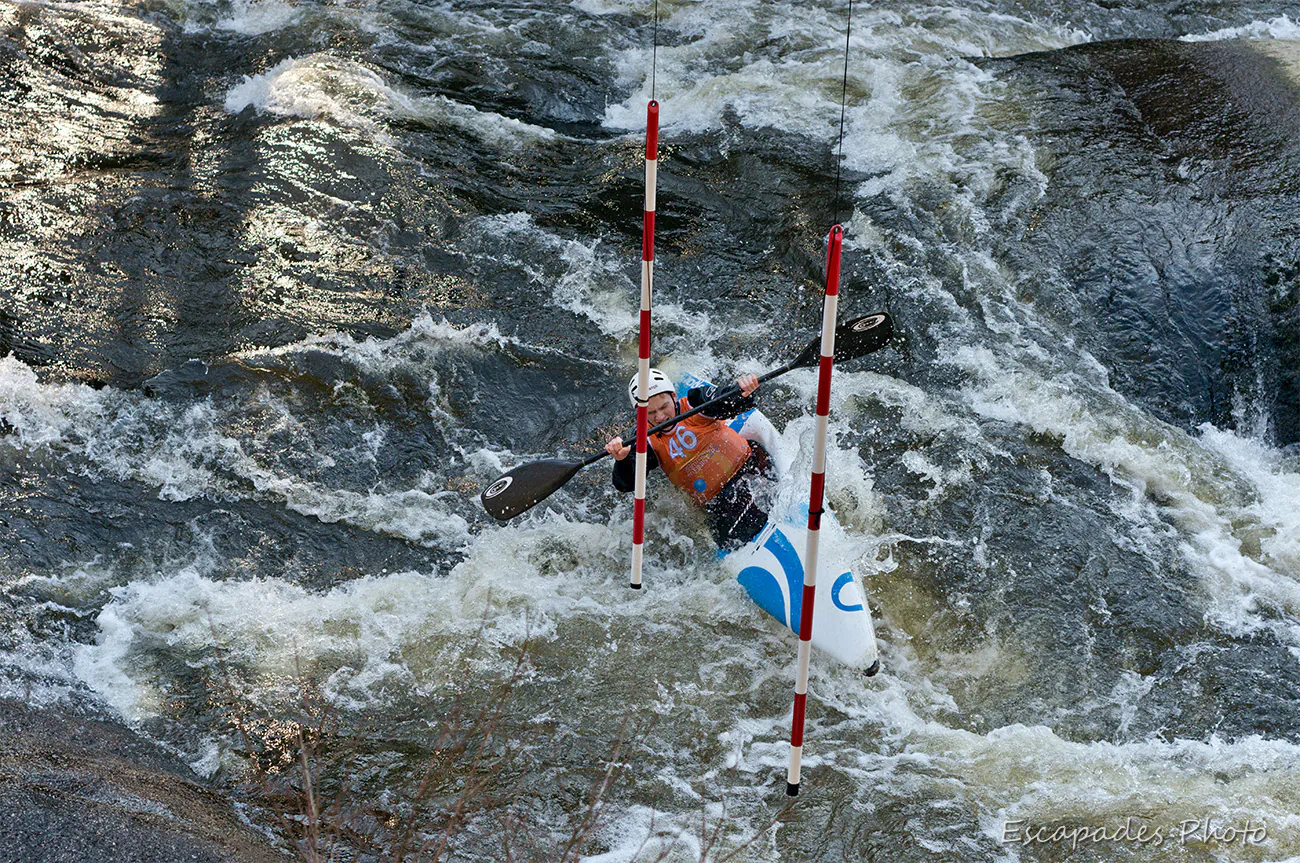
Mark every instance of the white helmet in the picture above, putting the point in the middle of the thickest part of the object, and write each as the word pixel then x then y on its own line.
pixel 659 383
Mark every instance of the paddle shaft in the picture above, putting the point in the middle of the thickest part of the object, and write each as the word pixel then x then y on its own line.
pixel 524 486
pixel 729 392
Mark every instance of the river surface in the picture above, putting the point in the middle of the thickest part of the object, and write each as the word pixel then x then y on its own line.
pixel 284 284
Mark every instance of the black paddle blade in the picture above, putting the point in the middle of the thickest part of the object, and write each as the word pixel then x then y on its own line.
pixel 522 488
pixel 854 338
pixel 862 336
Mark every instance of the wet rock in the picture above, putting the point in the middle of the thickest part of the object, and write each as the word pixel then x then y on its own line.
pixel 85 790
pixel 1169 220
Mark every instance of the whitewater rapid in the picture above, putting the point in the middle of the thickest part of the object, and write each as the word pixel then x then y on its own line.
pixel 415 250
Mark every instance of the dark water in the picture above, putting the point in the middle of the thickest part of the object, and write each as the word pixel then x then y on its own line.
pixel 286 284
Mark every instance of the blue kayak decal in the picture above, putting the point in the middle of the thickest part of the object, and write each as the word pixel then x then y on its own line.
pixel 764 588
pixel 846 578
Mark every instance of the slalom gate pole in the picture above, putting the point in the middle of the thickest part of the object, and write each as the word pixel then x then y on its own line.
pixel 830 308
pixel 643 355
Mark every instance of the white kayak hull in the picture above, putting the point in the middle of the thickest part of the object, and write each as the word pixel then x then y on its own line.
pixel 771 566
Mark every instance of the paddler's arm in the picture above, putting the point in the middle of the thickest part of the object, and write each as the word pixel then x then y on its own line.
pixel 731 407
pixel 625 467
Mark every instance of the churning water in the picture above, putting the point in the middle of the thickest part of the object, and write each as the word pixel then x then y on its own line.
pixel 286 283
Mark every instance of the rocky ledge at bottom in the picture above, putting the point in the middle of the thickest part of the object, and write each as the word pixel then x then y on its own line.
pixel 86 790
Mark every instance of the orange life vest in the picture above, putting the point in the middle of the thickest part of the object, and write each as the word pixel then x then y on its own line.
pixel 700 454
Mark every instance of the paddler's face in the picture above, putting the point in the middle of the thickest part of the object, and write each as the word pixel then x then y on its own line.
pixel 661 408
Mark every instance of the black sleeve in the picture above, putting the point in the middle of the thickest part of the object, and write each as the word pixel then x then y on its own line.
pixel 730 407
pixel 625 470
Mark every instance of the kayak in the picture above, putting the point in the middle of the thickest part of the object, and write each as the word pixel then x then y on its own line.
pixel 770 567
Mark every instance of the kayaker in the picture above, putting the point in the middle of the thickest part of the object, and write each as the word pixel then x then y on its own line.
pixel 701 455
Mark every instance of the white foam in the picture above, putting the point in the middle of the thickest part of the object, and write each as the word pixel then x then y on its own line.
pixel 269 627
pixel 37 673
pixel 914 105
pixel 1281 27
pixel 1230 499
pixel 185 452
pixel 315 86
pixel 488 126
pixel 321 86
pixel 42 414
pixel 894 742
pixel 641 832
pixel 254 17
pixel 386 630
pixel 1276 510
pixel 609 7
pixel 585 278
pixel 181 459
pixel 362 635
pixel 103 668
pixel 425 334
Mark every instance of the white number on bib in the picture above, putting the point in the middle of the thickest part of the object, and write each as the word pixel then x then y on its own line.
pixel 683 440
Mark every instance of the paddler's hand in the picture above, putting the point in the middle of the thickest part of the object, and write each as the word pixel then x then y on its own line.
pixel 616 449
pixel 747 384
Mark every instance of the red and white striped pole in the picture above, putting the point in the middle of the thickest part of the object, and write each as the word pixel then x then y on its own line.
pixel 643 357
pixel 829 311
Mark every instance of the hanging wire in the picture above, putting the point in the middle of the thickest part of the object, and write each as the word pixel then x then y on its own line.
pixel 654 53
pixel 844 96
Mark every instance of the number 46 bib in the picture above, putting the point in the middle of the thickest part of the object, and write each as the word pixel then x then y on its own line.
pixel 699 454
